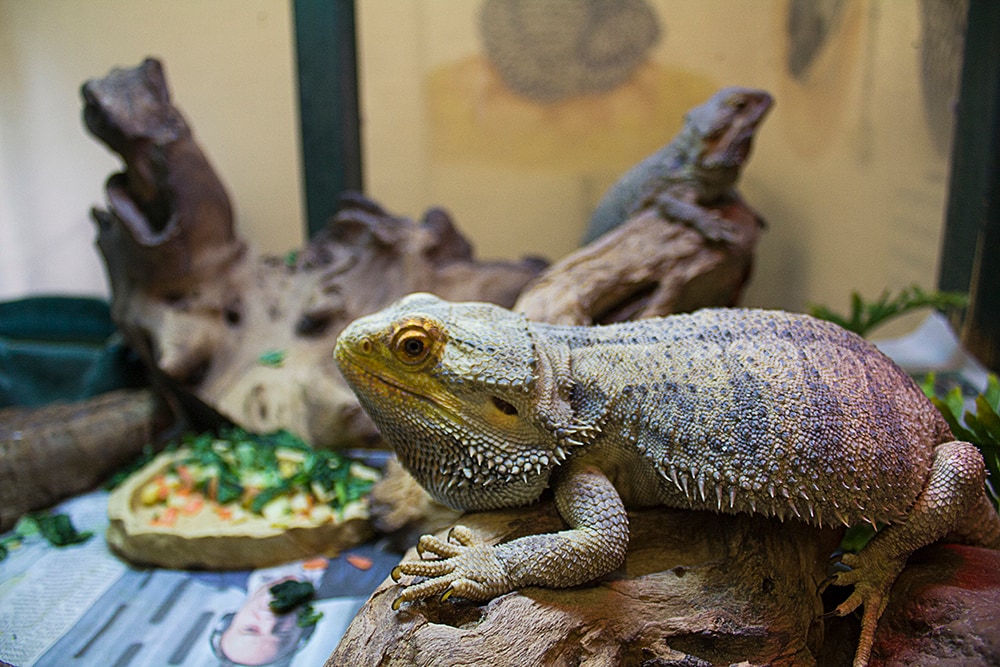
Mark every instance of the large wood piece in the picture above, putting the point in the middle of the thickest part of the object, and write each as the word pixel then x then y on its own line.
pixel 694 590
pixel 650 266
pixel 235 335
pixel 50 453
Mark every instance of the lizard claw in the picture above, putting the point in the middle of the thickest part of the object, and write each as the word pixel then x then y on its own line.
pixel 872 575
pixel 823 585
pixel 463 568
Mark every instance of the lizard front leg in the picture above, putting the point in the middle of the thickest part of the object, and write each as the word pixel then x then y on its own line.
pixel 706 222
pixel 594 545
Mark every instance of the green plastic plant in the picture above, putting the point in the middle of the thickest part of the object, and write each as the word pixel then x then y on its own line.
pixel 981 428
pixel 865 316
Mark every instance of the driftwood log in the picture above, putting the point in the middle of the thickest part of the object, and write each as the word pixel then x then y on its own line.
pixel 53 452
pixel 696 589
pixel 233 335
pixel 650 266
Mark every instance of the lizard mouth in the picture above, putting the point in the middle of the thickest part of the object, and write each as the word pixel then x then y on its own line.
pixel 357 374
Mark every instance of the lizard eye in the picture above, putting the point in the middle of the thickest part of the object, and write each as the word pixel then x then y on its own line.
pixel 412 345
pixel 503 406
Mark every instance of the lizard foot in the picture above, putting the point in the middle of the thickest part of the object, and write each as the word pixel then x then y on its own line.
pixel 708 223
pixel 872 579
pixel 461 567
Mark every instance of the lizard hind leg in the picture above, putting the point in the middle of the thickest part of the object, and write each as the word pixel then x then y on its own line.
pixel 981 527
pixel 948 503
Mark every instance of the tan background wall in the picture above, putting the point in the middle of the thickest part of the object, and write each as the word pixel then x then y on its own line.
pixel 844 169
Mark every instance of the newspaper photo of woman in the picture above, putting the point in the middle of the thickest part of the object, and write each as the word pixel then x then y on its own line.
pixel 255 634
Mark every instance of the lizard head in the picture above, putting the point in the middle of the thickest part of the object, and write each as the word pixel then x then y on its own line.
pixel 450 387
pixel 724 127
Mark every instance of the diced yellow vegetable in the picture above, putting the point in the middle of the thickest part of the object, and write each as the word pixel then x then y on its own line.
pixel 277 510
pixel 150 494
pixel 321 494
pixel 362 471
pixel 301 502
pixel 354 510
pixel 321 514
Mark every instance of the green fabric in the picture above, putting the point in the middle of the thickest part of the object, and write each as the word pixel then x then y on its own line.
pixel 61 349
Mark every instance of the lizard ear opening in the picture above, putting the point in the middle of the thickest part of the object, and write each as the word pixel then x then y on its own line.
pixel 503 406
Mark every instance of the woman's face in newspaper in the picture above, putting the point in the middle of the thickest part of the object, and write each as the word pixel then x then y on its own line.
pixel 257 635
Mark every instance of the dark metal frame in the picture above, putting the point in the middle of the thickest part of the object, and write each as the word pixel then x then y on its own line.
pixel 970 249
pixel 326 51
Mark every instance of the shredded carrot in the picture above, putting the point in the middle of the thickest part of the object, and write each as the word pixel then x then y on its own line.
pixel 224 512
pixel 187 479
pixel 167 518
pixel 318 563
pixel 194 504
pixel 360 562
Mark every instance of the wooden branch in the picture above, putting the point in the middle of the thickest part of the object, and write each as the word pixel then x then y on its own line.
pixel 235 335
pixel 170 224
pixel 723 590
pixel 54 452
pixel 650 266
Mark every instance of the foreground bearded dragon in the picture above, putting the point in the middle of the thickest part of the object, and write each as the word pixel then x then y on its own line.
pixel 726 410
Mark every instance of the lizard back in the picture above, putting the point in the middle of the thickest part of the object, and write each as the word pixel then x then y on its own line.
pixel 750 410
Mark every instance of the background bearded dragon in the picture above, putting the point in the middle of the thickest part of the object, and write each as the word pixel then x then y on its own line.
pixel 726 410
pixel 697 169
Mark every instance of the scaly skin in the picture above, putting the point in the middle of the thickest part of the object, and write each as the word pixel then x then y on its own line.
pixel 697 169
pixel 725 410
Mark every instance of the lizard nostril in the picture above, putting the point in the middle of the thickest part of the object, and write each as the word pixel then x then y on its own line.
pixel 365 346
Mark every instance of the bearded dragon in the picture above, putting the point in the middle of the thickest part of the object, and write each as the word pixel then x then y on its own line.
pixel 726 410
pixel 697 169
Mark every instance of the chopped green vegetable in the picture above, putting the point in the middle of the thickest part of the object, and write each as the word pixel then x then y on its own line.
pixel 272 358
pixel 856 537
pixel 267 495
pixel 866 316
pixel 57 529
pixel 289 594
pixel 260 468
pixel 308 616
